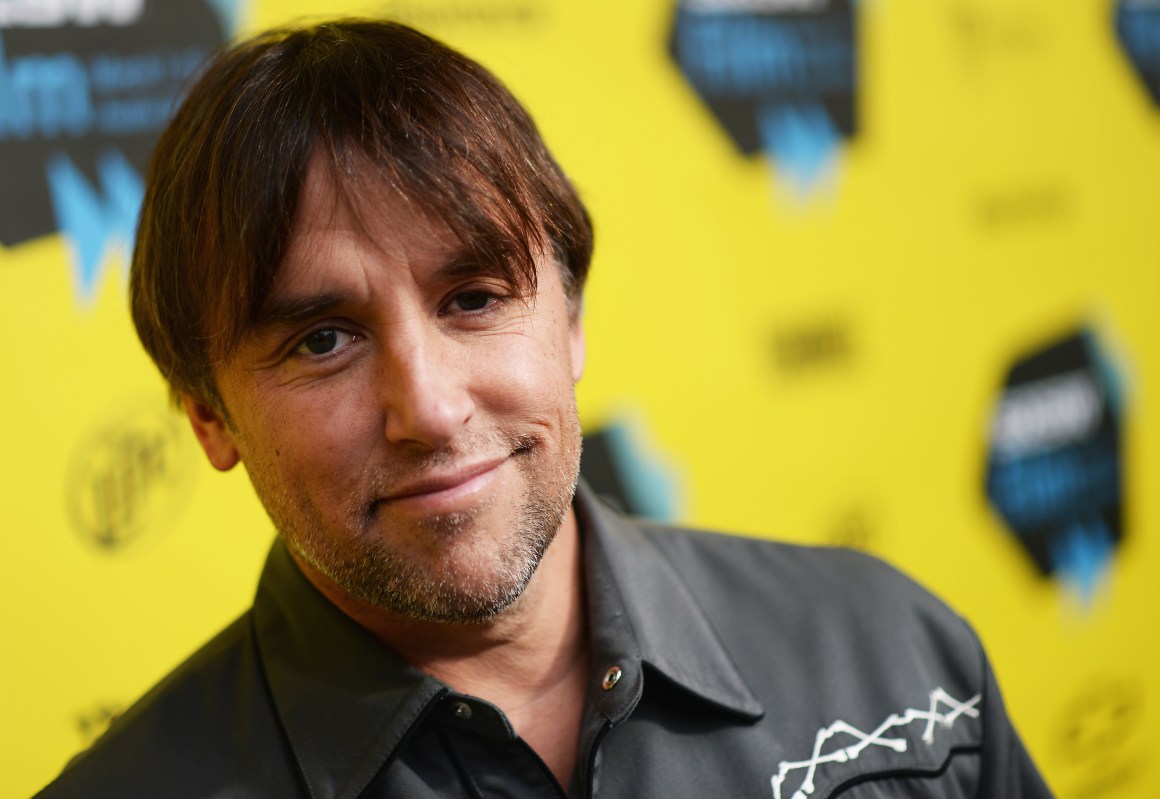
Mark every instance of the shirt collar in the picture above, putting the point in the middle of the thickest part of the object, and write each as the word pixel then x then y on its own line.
pixel 643 612
pixel 347 702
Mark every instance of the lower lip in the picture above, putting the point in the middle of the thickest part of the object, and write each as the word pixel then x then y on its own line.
pixel 459 497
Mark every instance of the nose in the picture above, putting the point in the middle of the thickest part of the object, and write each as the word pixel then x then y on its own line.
pixel 425 389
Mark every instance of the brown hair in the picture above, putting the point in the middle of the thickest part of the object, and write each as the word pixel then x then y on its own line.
pixel 367 96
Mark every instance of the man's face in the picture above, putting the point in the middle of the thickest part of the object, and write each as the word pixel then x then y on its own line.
pixel 408 421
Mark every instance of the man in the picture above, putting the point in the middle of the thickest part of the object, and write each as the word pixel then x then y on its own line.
pixel 360 270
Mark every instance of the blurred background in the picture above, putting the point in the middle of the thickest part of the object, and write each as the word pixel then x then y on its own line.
pixel 876 273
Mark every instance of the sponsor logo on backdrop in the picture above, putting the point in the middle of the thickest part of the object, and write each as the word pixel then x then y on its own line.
pixel 1054 472
pixel 780 76
pixel 91 722
pixel 130 477
pixel 997 36
pixel 85 88
pixel 622 468
pixel 1098 738
pixel 1137 24
pixel 1024 207
pixel 813 345
pixel 434 15
pixel 854 528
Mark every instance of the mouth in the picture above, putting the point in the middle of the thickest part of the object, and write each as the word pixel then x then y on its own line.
pixel 448 490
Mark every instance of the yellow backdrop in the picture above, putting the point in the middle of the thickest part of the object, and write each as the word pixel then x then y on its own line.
pixel 812 363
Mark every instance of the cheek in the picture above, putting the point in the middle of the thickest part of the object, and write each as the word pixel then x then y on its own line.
pixel 533 379
pixel 310 438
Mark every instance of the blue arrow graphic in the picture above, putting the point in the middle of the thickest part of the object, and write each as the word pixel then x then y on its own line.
pixel 93 219
pixel 802 140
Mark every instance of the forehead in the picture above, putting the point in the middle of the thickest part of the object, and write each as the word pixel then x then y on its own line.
pixel 340 220
pixel 361 206
pixel 352 216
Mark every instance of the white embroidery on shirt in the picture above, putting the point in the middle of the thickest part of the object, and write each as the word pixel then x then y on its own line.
pixel 933 716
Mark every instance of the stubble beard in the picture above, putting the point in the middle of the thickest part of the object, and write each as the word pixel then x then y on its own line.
pixel 373 568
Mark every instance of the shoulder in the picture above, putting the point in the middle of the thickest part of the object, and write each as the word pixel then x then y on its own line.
pixel 812 579
pixel 193 734
pixel 830 619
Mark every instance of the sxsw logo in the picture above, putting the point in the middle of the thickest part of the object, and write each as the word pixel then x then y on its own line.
pixel 85 88
pixel 1054 471
pixel 1137 24
pixel 39 14
pixel 780 76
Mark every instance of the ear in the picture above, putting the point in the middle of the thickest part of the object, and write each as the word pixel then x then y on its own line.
pixel 579 348
pixel 212 433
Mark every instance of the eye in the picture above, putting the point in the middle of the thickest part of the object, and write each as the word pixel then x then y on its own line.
pixel 473 300
pixel 322 341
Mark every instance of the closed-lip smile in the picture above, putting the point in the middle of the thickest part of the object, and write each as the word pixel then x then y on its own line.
pixel 446 490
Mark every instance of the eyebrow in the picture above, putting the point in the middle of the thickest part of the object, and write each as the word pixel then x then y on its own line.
pixel 293 311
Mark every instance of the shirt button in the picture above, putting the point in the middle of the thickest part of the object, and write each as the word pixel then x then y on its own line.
pixel 462 710
pixel 611 678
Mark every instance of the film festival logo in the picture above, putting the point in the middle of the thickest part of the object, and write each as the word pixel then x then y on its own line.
pixel 85 88
pixel 780 76
pixel 131 474
pixel 1054 472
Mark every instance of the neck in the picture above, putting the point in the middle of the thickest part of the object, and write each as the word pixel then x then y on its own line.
pixel 532 660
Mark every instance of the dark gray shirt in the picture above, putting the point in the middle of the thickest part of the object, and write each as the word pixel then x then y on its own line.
pixel 722 666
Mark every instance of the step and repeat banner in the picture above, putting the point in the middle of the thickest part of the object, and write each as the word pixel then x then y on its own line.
pixel 872 273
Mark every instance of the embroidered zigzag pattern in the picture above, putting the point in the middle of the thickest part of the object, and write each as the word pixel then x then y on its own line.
pixel 944 710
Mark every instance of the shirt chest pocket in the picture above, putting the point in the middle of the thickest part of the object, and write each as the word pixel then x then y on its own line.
pixel 956 778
